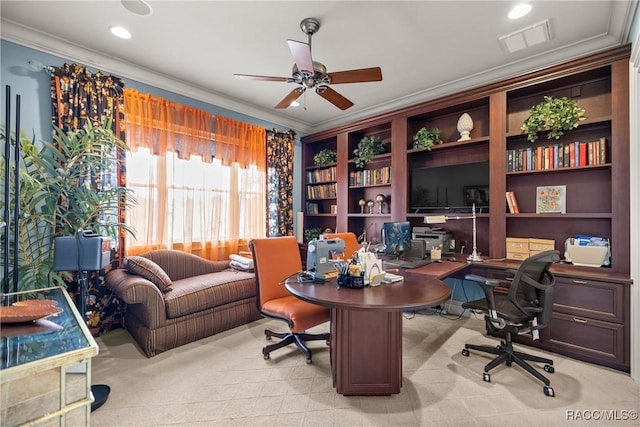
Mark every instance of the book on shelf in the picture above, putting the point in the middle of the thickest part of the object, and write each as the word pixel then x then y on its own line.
pixel 512 202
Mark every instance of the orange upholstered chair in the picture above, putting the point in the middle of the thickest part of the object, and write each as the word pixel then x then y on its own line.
pixel 276 259
pixel 351 244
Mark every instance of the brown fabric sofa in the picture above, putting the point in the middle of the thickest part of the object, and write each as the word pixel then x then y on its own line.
pixel 200 298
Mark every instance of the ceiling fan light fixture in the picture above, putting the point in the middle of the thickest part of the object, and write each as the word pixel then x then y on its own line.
pixel 294 104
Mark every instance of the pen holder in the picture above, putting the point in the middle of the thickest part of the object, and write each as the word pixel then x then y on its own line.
pixel 349 281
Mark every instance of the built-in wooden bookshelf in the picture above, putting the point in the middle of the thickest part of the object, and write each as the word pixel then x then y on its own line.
pixel 597 191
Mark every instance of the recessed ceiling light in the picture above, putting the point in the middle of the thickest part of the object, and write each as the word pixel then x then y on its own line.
pixel 139 7
pixel 294 104
pixel 120 32
pixel 519 11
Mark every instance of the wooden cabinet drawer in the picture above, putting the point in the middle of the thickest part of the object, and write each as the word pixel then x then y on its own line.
pixel 588 339
pixel 591 299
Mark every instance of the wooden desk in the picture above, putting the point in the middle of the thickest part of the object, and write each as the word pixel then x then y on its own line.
pixel 366 329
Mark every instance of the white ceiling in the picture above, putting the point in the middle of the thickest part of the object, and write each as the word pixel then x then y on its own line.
pixel 426 49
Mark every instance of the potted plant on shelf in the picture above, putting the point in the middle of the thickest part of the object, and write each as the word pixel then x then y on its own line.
pixel 368 148
pixel 312 233
pixel 324 157
pixel 425 139
pixel 555 115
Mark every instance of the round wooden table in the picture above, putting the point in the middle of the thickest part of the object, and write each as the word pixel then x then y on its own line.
pixel 366 328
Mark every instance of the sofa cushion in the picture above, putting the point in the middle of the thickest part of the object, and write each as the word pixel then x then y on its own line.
pixel 199 293
pixel 150 271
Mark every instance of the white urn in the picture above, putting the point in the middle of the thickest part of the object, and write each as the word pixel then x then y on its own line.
pixel 465 124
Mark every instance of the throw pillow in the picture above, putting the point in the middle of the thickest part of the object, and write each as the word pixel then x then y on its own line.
pixel 150 271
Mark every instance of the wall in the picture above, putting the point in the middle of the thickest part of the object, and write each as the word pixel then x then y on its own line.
pixel 634 232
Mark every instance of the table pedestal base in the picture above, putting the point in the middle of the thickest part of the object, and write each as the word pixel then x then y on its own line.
pixel 366 352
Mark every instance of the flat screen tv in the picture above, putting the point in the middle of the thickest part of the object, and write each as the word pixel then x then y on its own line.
pixel 397 237
pixel 450 187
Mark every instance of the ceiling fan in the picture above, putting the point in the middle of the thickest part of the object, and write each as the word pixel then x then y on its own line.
pixel 309 74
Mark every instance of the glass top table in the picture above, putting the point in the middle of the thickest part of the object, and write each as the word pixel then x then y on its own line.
pixel 64 333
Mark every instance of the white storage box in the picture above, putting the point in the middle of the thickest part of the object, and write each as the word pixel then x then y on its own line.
pixel 590 256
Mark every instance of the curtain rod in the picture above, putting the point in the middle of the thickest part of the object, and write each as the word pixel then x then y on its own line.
pixel 39 66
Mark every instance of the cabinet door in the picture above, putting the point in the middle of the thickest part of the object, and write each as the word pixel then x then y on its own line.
pixel 591 299
pixel 588 339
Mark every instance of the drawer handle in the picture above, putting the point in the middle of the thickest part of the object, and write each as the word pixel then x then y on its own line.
pixel 579 320
pixel 580 282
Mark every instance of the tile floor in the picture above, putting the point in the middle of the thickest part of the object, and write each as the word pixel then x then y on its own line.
pixel 224 381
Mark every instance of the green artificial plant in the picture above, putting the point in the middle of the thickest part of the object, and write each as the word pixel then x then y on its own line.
pixel 425 139
pixel 58 196
pixel 312 233
pixel 368 148
pixel 324 157
pixel 555 115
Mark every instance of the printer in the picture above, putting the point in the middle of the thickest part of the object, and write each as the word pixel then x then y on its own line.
pixel 432 238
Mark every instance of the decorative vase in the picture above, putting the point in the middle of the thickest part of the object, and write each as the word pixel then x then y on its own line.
pixel 380 199
pixel 465 124
pixel 370 206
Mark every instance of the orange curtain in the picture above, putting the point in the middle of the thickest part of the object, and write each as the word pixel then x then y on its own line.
pixel 240 142
pixel 162 125
pixel 199 192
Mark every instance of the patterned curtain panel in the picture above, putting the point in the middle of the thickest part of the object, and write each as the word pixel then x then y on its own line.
pixel 280 182
pixel 78 95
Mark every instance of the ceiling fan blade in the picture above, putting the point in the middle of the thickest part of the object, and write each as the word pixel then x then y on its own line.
pixel 302 54
pixel 287 100
pixel 334 97
pixel 264 78
pixel 361 75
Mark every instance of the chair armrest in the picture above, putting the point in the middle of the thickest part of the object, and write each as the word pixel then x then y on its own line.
pixel 134 289
pixel 482 280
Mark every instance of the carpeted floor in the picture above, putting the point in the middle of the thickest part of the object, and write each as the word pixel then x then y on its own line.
pixel 224 381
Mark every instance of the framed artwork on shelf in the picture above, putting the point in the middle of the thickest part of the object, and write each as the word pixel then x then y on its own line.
pixel 551 199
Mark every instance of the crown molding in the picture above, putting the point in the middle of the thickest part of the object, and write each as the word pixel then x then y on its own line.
pixel 47 43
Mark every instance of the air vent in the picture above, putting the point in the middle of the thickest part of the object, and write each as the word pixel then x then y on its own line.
pixel 527 37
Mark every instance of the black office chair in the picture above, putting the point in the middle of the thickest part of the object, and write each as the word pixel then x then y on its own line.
pixel 525 309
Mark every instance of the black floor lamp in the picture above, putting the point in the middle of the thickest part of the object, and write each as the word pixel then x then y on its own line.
pixel 82 253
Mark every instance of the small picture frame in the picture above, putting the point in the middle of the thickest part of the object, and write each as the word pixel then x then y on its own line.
pixel 551 199
pixel 334 209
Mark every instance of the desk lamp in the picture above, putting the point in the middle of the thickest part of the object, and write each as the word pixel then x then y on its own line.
pixel 82 253
pixel 439 219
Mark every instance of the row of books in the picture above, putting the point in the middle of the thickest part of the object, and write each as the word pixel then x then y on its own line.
pixel 512 202
pixel 312 208
pixel 321 175
pixel 370 177
pixel 574 154
pixel 322 191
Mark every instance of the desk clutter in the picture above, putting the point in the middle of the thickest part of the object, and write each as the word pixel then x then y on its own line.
pixel 362 268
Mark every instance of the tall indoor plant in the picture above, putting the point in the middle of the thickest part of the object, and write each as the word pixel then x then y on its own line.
pixel 55 197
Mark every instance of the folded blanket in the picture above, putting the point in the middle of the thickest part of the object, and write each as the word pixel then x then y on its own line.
pixel 242 261
pixel 238 266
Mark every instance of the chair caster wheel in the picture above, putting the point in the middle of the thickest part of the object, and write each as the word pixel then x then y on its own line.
pixel 309 361
pixel 465 352
pixel 549 368
pixel 265 356
pixel 508 363
pixel 267 337
pixel 548 391
pixel 486 377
